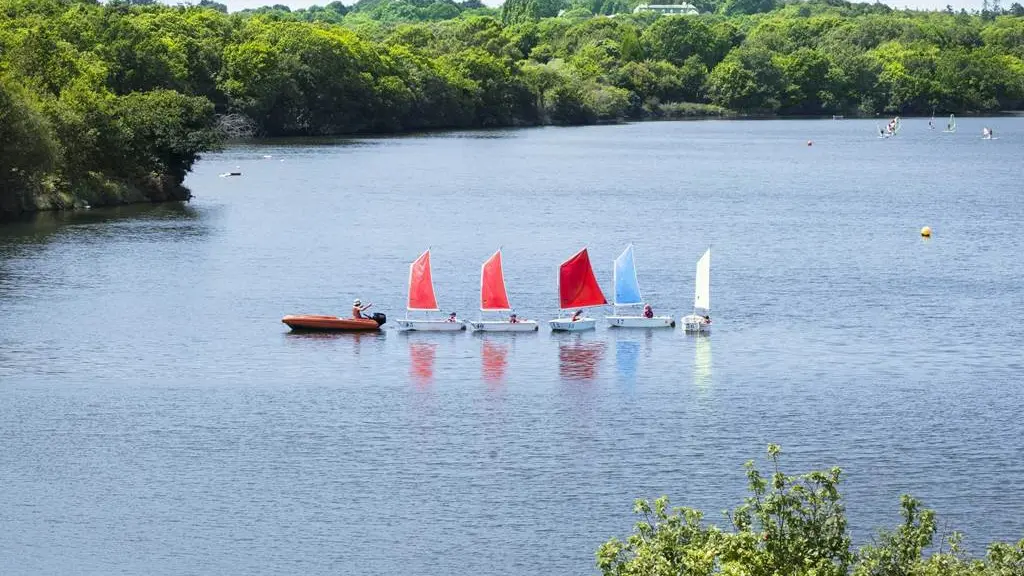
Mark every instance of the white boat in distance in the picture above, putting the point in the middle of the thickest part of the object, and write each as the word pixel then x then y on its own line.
pixel 577 288
pixel 494 298
pixel 627 293
pixel 699 322
pixel 422 299
pixel 951 125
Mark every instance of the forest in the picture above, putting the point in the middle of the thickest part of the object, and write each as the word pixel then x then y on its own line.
pixel 114 102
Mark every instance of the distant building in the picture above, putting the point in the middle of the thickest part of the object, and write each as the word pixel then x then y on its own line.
pixel 684 8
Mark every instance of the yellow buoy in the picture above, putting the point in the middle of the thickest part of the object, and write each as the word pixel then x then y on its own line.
pixel 926 232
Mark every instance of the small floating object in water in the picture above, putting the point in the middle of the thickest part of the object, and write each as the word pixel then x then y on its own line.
pixel 226 174
pixel 810 142
pixel 267 156
pixel 926 232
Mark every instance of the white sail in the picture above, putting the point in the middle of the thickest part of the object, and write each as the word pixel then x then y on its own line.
pixel 702 292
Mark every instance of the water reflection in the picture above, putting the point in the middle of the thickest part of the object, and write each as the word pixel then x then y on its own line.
pixel 627 352
pixel 702 361
pixel 171 220
pixel 421 361
pixel 354 340
pixel 579 359
pixel 494 360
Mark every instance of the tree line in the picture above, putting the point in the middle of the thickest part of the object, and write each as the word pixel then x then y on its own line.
pixel 112 102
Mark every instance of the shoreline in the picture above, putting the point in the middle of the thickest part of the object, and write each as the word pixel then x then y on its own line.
pixel 120 194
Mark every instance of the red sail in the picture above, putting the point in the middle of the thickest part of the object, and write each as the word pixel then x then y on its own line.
pixel 577 286
pixel 421 285
pixel 492 285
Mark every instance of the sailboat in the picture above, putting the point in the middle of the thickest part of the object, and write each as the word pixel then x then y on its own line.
pixel 627 293
pixel 422 299
pixel 494 298
pixel 577 288
pixel 951 125
pixel 700 321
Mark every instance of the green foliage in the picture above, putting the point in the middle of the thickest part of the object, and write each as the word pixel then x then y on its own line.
pixel 792 526
pixel 70 67
pixel 28 150
pixel 518 11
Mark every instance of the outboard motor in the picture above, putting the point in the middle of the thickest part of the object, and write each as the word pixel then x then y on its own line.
pixel 379 318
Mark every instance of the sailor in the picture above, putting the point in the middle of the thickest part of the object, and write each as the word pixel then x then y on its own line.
pixel 576 315
pixel 451 318
pixel 648 311
pixel 358 308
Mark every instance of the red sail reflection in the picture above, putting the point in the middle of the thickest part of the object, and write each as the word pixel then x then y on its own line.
pixel 580 360
pixel 495 360
pixel 421 361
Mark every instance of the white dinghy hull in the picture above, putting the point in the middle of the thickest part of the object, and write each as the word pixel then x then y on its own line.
pixel 498 326
pixel 567 325
pixel 641 322
pixel 429 325
pixel 694 324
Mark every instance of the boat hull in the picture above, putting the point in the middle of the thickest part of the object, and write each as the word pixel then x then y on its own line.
pixel 694 324
pixel 498 326
pixel 329 323
pixel 429 325
pixel 640 322
pixel 567 325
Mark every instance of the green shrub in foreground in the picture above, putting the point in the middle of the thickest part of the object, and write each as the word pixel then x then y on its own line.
pixel 792 526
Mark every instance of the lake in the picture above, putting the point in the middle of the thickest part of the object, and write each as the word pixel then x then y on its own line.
pixel 156 417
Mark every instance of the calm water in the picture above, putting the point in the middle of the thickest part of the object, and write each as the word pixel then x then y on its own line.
pixel 157 418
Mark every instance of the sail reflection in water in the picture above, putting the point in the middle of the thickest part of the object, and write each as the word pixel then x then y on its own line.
pixel 579 360
pixel 627 352
pixel 494 357
pixel 421 361
pixel 702 361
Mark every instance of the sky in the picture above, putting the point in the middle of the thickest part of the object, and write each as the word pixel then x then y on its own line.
pixel 234 5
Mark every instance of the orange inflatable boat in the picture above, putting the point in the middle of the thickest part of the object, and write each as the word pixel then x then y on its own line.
pixel 333 323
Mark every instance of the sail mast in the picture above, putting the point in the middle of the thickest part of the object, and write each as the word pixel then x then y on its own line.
pixel 702 283
pixel 421 285
pixel 493 295
pixel 625 284
pixel 577 286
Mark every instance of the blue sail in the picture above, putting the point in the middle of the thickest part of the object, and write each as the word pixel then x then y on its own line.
pixel 627 289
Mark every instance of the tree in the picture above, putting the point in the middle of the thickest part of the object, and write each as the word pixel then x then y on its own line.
pixel 792 525
pixel 737 7
pixel 516 11
pixel 27 149
pixel 212 5
pixel 676 38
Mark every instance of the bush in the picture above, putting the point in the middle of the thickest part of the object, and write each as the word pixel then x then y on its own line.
pixel 791 526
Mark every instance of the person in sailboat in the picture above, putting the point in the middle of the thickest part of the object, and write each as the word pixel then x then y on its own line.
pixel 648 311
pixel 576 315
pixel 931 124
pixel 358 309
pixel 513 319
pixel 707 319
pixel 452 318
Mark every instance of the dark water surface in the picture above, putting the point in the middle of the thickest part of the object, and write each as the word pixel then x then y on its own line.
pixel 157 418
